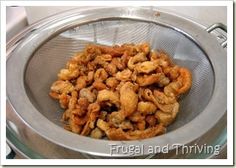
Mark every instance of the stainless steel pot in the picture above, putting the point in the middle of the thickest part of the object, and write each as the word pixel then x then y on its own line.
pixel 36 54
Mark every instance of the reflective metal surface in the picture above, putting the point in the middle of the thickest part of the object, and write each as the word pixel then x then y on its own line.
pixel 31 122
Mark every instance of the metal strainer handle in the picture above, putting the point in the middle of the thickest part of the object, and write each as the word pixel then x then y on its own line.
pixel 220 26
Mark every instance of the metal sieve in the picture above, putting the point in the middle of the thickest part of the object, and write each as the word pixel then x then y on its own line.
pixel 43 49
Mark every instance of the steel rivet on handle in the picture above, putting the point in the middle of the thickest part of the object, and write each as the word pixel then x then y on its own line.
pixel 220 26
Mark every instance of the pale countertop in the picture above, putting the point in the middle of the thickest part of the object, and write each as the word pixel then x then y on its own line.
pixel 19 17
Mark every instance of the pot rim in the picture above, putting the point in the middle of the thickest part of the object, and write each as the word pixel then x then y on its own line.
pixel 44 30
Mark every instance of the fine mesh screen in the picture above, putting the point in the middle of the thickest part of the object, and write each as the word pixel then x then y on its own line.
pixel 46 62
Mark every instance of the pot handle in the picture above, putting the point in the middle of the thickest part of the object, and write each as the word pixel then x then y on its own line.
pixel 220 26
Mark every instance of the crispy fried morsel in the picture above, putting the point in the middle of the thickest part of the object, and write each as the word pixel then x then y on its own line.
pixel 90 77
pixel 73 100
pixel 79 120
pixel 141 125
pixel 164 59
pixel 158 78
pixel 64 100
pixel 86 93
pixel 99 85
pixel 125 58
pixel 171 89
pixel 140 57
pixel 69 73
pixel 103 115
pixel 118 63
pixel 100 74
pixel 103 59
pixel 97 133
pixel 181 85
pixel 144 47
pixel 81 82
pixel 81 107
pixel 116 118
pixel 74 127
pixel 108 96
pixel 119 134
pixel 151 120
pixel 146 67
pixel 91 66
pixel 93 114
pixel 172 72
pixel 91 51
pixel 123 75
pixel 130 49
pixel 110 69
pixel 66 115
pixel 170 108
pixel 185 78
pixel 112 82
pixel 146 108
pixel 164 118
pixel 134 76
pixel 153 56
pixel 162 98
pixel 120 85
pixel 128 99
pixel 115 121
pixel 167 118
pixel 62 87
pixel 54 95
pixel 136 117
pixel 114 51
pixel 126 125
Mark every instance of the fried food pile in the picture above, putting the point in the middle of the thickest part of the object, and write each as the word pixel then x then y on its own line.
pixel 125 92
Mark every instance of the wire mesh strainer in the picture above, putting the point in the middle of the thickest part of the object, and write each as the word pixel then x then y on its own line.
pixel 57 39
pixel 46 62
